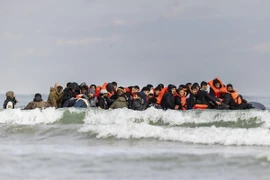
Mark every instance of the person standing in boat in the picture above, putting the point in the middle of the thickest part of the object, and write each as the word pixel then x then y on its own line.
pixel 56 96
pixel 10 101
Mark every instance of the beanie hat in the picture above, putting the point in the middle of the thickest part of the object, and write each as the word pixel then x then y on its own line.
pixel 92 91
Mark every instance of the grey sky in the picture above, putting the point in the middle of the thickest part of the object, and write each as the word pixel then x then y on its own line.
pixel 134 42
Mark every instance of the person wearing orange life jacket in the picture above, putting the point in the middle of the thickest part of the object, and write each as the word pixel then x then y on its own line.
pixel 202 97
pixel 217 88
pixel 152 100
pixel 181 99
pixel 235 100
pixel 160 91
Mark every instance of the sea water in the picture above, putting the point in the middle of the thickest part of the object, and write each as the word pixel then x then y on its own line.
pixel 125 144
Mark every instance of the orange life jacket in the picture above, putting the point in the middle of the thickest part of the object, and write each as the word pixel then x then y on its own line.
pixel 98 89
pixel 217 91
pixel 161 94
pixel 79 96
pixel 183 102
pixel 200 106
pixel 110 94
pixel 104 85
pixel 236 97
pixel 186 91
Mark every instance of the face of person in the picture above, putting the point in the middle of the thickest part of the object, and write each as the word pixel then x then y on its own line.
pixel 229 88
pixel 182 93
pixel 146 92
pixel 204 87
pixel 134 90
pixel 157 92
pixel 136 96
pixel 173 90
pixel 59 89
pixel 217 85
pixel 93 87
pixel 120 93
pixel 73 90
pixel 193 91
pixel 83 91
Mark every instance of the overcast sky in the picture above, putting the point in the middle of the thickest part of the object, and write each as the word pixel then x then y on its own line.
pixel 134 42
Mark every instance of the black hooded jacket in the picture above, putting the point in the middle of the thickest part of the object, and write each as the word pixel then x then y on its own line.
pixel 68 94
pixel 9 99
pixel 168 100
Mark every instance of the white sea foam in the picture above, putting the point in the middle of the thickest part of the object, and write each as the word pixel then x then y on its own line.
pixel 36 116
pixel 127 124
pixel 158 124
pixel 122 116
pixel 173 117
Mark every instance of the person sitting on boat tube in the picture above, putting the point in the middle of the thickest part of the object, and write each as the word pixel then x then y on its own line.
pixel 104 101
pixel 181 99
pixel 204 86
pixel 10 101
pixel 37 103
pixel 144 94
pixel 121 101
pixel 217 88
pixel 201 97
pixel 138 103
pixel 92 97
pixel 169 98
pixel 70 92
pixel 235 100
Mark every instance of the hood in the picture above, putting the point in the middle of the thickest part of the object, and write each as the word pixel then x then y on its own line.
pixel 37 98
pixel 57 85
pixel 52 89
pixel 10 94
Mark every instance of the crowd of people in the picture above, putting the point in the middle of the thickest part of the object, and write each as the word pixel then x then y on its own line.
pixel 112 96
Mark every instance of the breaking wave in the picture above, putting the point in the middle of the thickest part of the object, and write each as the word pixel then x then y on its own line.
pixel 201 126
